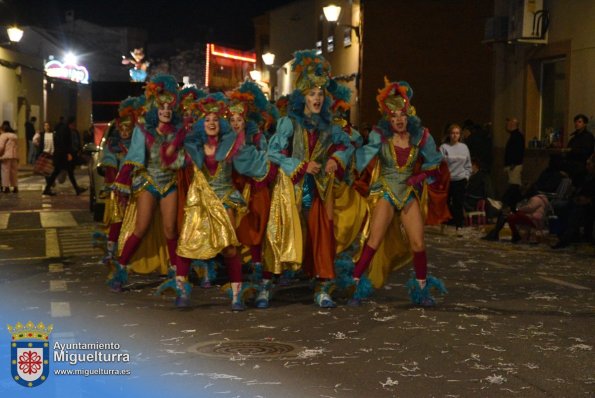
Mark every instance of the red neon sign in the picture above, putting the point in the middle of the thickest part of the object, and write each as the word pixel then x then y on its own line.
pixel 232 54
pixel 208 66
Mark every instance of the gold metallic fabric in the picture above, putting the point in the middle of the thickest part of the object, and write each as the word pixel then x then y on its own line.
pixel 151 255
pixel 284 242
pixel 350 212
pixel 206 229
pixel 393 253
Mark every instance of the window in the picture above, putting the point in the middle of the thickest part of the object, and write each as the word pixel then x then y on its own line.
pixel 553 88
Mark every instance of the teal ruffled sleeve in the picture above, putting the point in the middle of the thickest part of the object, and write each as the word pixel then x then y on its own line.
pixel 342 141
pixel 193 146
pixel 431 156
pixel 278 147
pixel 365 154
pixel 108 158
pixel 356 138
pixel 251 162
pixel 137 151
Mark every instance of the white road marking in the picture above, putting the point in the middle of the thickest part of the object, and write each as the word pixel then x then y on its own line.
pixel 52 247
pixel 60 309
pixel 57 219
pixel 57 285
pixel 4 220
pixel 499 265
pixel 56 267
pixel 564 283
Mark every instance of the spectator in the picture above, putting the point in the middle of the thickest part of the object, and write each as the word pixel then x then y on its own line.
pixel 63 158
pixel 45 141
pixel 479 142
pixel 581 145
pixel 580 211
pixel 9 158
pixel 459 164
pixel 479 186
pixel 29 134
pixel 536 207
pixel 514 153
pixel 60 124
pixel 531 214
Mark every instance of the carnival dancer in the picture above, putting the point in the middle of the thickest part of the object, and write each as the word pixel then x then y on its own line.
pixel 250 116
pixel 310 152
pixel 399 141
pixel 112 158
pixel 148 177
pixel 350 209
pixel 189 97
pixel 214 206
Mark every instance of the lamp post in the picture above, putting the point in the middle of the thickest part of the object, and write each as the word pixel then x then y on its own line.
pixel 14 34
pixel 332 13
pixel 268 59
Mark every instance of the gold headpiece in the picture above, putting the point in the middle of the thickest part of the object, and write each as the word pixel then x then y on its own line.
pixel 394 97
pixel 312 70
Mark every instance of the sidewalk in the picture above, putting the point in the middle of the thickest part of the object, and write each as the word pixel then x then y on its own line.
pixel 25 170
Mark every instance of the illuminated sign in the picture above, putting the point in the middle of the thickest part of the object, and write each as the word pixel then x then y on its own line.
pixel 228 57
pixel 75 73
pixel 233 54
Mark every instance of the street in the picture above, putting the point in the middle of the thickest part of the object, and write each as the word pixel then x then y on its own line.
pixel 518 321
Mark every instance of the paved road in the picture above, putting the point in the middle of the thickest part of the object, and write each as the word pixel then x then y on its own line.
pixel 518 321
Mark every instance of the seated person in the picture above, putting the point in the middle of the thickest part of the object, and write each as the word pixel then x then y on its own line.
pixel 531 214
pixel 580 210
pixel 547 184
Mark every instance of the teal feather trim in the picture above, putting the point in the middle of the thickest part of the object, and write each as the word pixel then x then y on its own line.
pixel 118 276
pixel 205 268
pixel 247 291
pixel 422 297
pixel 257 270
pixel 260 100
pixel 181 289
pixel 340 92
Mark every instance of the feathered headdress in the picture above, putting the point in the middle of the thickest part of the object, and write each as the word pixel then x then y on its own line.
pixel 162 89
pixel 240 103
pixel 249 101
pixel 282 103
pixel 312 70
pixel 270 117
pixel 189 97
pixel 129 111
pixel 394 97
pixel 213 103
pixel 341 95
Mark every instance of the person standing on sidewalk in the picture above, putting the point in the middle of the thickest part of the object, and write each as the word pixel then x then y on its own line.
pixel 9 157
pixel 458 159
pixel 514 153
pixel 45 142
pixel 63 158
pixel 29 134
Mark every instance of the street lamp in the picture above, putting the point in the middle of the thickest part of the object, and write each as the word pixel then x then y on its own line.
pixel 14 34
pixel 268 58
pixel 256 75
pixel 332 13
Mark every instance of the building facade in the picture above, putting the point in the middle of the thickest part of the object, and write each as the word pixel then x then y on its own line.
pixel 466 60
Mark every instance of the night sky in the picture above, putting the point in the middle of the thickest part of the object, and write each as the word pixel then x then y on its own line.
pixel 228 22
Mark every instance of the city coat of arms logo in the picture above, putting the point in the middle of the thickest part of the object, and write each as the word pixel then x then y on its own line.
pixel 30 353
